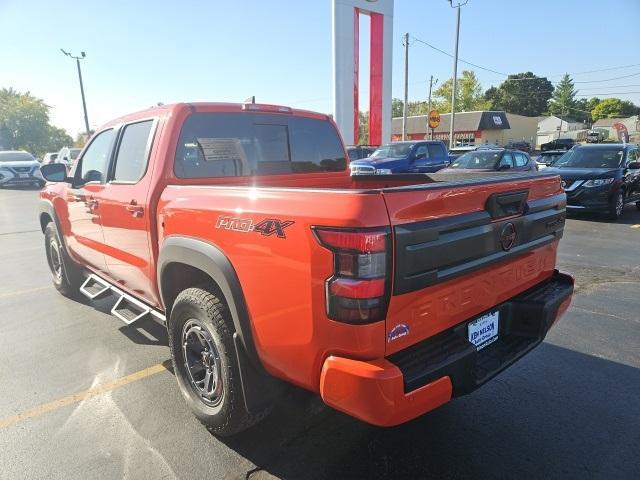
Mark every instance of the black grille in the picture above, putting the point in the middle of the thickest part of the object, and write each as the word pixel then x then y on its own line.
pixel 22 169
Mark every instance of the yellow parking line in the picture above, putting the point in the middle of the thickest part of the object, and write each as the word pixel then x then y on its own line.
pixel 80 396
pixel 22 292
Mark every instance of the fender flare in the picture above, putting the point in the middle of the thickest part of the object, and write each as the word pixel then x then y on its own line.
pixel 46 207
pixel 210 259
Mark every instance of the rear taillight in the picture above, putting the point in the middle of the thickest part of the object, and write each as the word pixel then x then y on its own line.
pixel 358 290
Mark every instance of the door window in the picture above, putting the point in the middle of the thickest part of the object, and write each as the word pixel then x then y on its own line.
pixel 94 162
pixel 521 159
pixel 421 151
pixel 131 161
pixel 435 150
pixel 632 156
pixel 507 159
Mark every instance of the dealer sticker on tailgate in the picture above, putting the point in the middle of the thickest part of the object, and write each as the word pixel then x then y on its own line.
pixel 484 330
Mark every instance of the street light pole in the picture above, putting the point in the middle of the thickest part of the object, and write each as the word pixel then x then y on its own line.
pixel 455 72
pixel 84 103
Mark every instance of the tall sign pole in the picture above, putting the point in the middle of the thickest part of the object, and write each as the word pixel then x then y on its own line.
pixel 431 83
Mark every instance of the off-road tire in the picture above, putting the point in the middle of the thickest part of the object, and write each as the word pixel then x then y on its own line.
pixel 66 275
pixel 211 313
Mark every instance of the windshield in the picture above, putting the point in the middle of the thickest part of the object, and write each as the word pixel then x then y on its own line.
pixel 16 157
pixel 591 158
pixel 393 150
pixel 477 159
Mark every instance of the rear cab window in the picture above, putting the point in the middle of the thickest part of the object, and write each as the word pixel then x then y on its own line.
pixel 244 144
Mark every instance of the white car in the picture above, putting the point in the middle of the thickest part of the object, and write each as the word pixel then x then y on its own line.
pixel 49 158
pixel 19 168
pixel 68 156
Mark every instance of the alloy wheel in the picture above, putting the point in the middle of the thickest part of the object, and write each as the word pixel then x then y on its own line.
pixel 202 362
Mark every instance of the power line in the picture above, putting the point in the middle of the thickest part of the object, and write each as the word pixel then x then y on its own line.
pixel 536 77
pixel 608 93
pixel 459 59
pixel 608 79
pixel 611 86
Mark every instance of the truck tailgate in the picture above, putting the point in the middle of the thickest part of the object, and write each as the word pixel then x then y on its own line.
pixel 460 248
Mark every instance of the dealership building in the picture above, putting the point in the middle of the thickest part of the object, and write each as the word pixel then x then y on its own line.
pixel 472 128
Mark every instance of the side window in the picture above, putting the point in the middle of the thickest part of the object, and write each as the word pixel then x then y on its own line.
pixel 131 161
pixel 93 164
pixel 521 159
pixel 507 159
pixel 632 156
pixel 421 151
pixel 435 150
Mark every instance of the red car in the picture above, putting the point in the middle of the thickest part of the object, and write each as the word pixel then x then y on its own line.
pixel 242 229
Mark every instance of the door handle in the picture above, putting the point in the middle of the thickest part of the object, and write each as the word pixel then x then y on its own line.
pixel 134 209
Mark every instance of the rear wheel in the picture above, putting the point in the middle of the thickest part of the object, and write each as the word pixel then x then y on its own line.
pixel 616 206
pixel 65 274
pixel 204 361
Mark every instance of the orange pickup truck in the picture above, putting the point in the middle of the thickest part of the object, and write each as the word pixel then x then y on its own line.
pixel 239 226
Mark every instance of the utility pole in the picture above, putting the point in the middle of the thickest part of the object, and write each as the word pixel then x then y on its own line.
pixel 455 73
pixel 431 83
pixel 84 103
pixel 406 86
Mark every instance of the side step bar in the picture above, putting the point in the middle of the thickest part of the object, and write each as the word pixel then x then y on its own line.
pixel 127 308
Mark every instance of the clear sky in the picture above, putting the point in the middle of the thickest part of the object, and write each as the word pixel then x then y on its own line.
pixel 143 52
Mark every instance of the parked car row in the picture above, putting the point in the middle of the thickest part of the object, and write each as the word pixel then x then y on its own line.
pixel 596 177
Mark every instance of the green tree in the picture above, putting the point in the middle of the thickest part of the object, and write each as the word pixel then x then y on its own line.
pixel 563 100
pixel 397 106
pixel 469 95
pixel 363 128
pixel 614 107
pixel 24 124
pixel 522 94
pixel 583 108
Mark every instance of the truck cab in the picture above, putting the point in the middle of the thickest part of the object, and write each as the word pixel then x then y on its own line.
pixel 404 157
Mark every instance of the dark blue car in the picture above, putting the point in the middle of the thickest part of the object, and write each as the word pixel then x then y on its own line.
pixel 422 156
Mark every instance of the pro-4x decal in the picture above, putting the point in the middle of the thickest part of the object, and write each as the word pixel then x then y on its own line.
pixel 267 227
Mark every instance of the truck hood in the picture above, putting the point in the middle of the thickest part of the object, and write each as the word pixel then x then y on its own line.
pixel 378 161
pixel 582 173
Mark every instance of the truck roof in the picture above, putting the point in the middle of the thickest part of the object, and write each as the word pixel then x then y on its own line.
pixel 215 107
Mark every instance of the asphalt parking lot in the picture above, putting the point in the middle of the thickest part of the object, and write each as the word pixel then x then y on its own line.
pixel 569 409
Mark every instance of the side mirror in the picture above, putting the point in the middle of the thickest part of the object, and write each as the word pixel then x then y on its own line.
pixel 503 167
pixel 54 172
pixel 421 156
pixel 634 165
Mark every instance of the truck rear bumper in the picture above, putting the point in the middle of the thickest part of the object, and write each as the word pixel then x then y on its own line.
pixel 409 383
